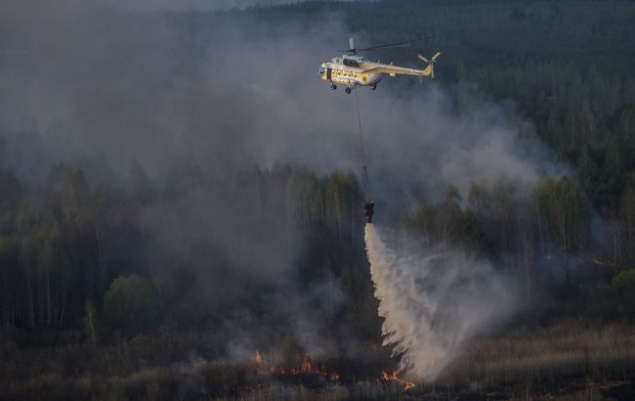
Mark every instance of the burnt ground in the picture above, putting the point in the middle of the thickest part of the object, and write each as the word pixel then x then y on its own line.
pixel 561 390
pixel 622 392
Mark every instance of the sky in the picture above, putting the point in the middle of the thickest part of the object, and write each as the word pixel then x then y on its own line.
pixel 198 5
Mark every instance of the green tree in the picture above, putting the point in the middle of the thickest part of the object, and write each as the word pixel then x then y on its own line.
pixel 90 323
pixel 342 200
pixel 627 212
pixel 623 289
pixel 447 224
pixel 11 193
pixel 70 186
pixel 132 303
pixel 564 213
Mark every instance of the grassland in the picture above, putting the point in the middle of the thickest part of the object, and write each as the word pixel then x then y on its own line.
pixel 572 360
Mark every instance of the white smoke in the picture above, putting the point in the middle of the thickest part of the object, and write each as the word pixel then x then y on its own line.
pixel 433 302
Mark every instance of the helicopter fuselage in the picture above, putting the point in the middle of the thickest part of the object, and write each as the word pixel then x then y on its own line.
pixel 350 72
pixel 354 71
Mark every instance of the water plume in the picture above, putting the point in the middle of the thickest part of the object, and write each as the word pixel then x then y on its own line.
pixel 433 302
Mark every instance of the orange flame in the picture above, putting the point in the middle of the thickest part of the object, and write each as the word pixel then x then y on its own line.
pixel 258 358
pixel 395 377
pixel 304 367
pixel 306 364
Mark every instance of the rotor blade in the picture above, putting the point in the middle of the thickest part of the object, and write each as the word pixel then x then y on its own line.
pixel 396 44
pixel 422 58
pixel 436 56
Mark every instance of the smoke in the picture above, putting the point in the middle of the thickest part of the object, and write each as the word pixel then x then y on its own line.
pixel 200 5
pixel 190 101
pixel 433 302
pixel 119 90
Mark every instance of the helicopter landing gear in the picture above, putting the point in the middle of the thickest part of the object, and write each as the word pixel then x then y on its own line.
pixel 347 90
pixel 373 87
pixel 333 87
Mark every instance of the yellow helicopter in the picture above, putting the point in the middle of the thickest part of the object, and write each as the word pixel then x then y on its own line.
pixel 353 71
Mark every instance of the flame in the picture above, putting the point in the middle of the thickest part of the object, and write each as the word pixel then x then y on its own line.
pixel 395 377
pixel 258 359
pixel 306 365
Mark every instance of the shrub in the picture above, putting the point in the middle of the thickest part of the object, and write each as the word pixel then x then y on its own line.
pixel 623 288
pixel 132 303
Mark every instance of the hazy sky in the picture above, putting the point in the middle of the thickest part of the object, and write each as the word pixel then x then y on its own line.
pixel 204 5
pixel 107 88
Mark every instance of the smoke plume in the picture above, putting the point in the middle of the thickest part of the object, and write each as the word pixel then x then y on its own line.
pixel 190 101
pixel 433 302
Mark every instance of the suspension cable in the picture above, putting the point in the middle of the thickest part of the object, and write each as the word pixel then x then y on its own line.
pixel 366 188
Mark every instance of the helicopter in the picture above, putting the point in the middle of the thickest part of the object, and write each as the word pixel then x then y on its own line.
pixel 354 71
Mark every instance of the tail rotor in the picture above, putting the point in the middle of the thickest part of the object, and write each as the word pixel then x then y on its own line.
pixel 430 62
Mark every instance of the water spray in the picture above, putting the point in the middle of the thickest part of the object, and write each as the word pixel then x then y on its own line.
pixel 433 301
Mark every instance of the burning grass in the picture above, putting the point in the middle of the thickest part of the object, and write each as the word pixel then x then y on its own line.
pixel 394 377
pixel 568 361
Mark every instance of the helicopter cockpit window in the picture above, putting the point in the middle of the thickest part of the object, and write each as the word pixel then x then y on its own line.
pixel 351 63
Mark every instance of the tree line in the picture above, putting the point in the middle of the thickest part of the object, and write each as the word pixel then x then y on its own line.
pixel 65 244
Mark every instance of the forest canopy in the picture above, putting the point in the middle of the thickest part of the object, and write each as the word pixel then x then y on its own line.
pixel 188 173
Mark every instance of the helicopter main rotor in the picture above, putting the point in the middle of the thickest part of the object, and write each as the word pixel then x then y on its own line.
pixel 352 50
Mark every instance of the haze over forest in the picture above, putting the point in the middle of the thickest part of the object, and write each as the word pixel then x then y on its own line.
pixel 179 188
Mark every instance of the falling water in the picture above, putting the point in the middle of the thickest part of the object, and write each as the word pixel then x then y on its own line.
pixel 433 302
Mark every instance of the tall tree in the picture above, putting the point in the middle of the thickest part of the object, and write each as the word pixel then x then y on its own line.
pixel 565 214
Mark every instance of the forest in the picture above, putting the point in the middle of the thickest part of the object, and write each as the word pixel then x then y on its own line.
pixel 179 279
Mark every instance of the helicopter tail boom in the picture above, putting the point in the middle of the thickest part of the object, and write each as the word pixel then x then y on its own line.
pixel 393 70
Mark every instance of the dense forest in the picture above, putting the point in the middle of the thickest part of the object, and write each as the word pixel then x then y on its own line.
pixel 104 282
